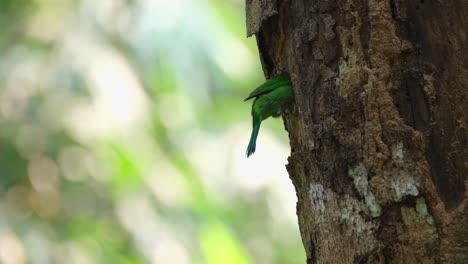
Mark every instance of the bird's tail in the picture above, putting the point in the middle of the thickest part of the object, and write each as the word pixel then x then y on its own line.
pixel 253 137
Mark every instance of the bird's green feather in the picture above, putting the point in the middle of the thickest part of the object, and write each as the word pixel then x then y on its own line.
pixel 253 137
pixel 279 80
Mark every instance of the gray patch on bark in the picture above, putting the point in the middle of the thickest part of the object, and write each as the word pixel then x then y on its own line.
pixel 318 197
pixel 257 12
pixel 361 183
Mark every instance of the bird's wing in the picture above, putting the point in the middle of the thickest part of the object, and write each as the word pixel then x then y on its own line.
pixel 268 86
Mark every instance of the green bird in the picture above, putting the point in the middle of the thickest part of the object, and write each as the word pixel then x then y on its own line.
pixel 271 98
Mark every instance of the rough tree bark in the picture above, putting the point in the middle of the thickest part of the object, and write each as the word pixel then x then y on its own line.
pixel 378 129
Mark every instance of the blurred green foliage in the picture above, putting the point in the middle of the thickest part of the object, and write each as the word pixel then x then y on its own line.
pixel 123 134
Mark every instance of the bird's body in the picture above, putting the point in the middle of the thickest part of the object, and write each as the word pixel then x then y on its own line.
pixel 271 98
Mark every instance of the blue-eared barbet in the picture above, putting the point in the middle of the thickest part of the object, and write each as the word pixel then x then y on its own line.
pixel 271 99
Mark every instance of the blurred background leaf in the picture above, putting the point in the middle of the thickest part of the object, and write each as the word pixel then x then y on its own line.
pixel 123 136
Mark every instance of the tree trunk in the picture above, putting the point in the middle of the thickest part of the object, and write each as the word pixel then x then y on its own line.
pixel 378 129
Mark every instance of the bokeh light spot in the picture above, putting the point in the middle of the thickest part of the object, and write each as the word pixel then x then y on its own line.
pixel 43 174
pixel 11 250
